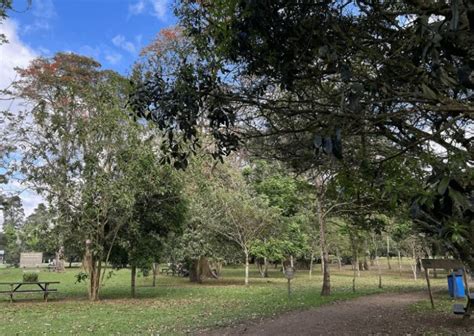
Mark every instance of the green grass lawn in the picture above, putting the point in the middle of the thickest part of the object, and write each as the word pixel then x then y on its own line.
pixel 176 306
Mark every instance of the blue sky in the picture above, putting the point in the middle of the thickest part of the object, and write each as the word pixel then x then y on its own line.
pixel 111 31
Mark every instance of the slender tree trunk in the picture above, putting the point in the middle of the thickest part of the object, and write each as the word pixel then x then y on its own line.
pixel 326 288
pixel 291 262
pixel 133 273
pixel 246 268
pixel 311 265
pixel 414 266
pixel 338 256
pixel 357 267
pixel 355 261
pixel 154 267
pixel 94 284
pixel 366 264
pixel 260 268
pixel 388 253
pixel 379 270
pixel 265 267
pixel 354 279
pixel 399 263
pixel 92 266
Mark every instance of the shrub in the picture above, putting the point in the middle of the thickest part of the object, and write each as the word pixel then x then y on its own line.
pixel 30 277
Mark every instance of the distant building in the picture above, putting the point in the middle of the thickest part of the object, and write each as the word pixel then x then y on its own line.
pixel 2 256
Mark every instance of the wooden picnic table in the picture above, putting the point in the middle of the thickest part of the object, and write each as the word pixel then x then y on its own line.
pixel 43 288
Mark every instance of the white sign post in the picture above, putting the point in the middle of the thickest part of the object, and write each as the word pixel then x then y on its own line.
pixel 31 259
pixel 289 275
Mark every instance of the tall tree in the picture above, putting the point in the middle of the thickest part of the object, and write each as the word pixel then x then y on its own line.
pixel 72 144
pixel 158 211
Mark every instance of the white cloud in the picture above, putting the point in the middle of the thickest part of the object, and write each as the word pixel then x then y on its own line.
pixel 44 51
pixel 121 42
pixel 160 8
pixel 137 8
pixel 36 25
pixel 43 11
pixel 113 58
pixel 90 51
pixel 13 54
pixel 157 8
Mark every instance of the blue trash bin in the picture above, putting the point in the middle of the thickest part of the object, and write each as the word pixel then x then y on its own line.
pixel 455 285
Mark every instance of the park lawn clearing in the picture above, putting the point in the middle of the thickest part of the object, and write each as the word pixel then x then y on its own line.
pixel 177 306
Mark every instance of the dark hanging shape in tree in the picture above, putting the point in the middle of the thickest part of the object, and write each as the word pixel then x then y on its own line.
pixel 337 144
pixel 327 145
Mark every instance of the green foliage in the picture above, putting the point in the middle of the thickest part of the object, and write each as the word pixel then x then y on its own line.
pixel 13 219
pixel 289 241
pixel 93 164
pixel 30 276
pixel 282 190
pixel 445 211
pixel 140 241
pixel 81 277
pixel 38 232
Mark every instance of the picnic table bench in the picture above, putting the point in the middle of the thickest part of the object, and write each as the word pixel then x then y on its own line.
pixel 43 288
pixel 165 270
pixel 459 308
pixel 175 269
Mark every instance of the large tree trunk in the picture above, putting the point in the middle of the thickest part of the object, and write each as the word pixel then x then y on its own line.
pixel 194 275
pixel 133 273
pixel 92 265
pixel 326 288
pixel 199 268
pixel 94 284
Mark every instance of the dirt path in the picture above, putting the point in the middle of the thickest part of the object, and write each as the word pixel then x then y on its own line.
pixel 383 314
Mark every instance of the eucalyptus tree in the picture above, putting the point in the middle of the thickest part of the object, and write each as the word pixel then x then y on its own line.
pixel 72 144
